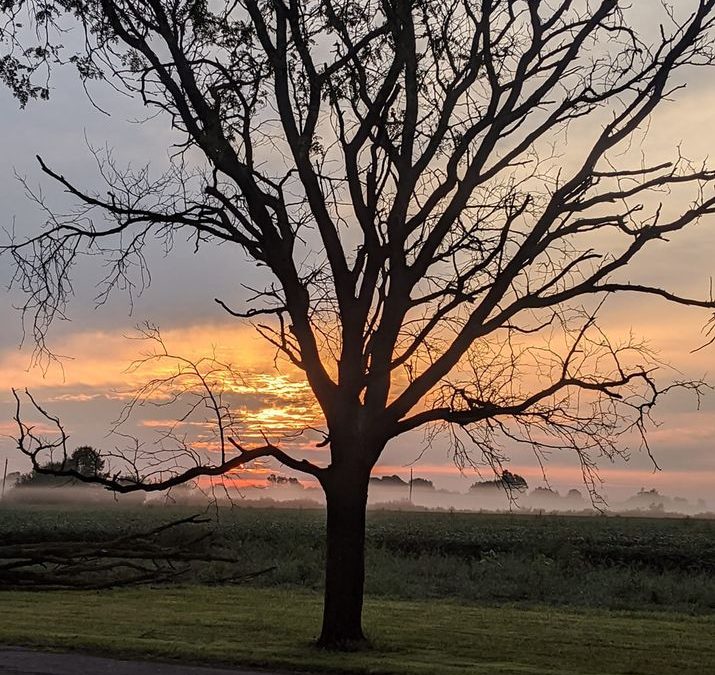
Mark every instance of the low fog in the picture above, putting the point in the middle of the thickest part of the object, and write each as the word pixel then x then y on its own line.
pixel 385 493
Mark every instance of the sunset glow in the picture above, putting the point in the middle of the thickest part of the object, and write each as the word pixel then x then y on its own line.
pixel 280 405
pixel 271 398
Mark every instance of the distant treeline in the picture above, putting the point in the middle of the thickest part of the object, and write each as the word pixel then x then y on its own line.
pixel 509 491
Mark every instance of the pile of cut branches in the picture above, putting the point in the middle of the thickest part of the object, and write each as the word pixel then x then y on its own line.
pixel 168 553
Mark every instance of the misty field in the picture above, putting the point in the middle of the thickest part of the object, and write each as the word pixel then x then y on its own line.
pixel 589 562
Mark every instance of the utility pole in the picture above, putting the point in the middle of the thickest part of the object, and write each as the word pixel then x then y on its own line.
pixel 4 478
pixel 410 485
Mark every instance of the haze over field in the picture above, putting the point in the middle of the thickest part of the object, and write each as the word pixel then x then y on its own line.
pixel 88 391
pixel 391 496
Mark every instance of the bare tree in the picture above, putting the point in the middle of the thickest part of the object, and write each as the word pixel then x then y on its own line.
pixel 395 166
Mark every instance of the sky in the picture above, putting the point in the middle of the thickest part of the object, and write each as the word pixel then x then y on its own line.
pixel 90 387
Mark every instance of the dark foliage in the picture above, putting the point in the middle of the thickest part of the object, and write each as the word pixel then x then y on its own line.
pixel 422 484
pixel 508 482
pixel 85 460
pixel 393 481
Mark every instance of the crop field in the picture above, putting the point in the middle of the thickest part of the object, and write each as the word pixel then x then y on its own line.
pixel 641 564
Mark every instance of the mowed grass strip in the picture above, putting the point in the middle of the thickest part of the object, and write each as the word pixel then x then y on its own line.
pixel 275 628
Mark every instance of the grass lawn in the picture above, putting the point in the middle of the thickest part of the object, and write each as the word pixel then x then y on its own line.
pixel 274 628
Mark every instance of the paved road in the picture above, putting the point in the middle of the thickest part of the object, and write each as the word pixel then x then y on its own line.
pixel 15 661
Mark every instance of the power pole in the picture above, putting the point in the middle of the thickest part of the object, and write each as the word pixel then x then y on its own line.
pixel 4 478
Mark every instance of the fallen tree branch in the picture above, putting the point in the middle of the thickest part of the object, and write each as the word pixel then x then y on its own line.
pixel 129 560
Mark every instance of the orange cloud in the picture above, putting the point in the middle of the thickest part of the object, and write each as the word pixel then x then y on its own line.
pixel 100 359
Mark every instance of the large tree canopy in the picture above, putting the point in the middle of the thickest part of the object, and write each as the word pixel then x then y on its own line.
pixel 398 166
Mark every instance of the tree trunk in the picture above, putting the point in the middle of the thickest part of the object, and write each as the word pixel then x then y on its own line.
pixel 345 562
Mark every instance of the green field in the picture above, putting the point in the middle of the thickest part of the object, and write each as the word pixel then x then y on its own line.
pixel 598 562
pixel 446 592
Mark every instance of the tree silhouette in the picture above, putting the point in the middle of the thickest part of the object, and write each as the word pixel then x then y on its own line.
pixel 393 481
pixel 283 481
pixel 422 484
pixel 508 482
pixel 394 165
pixel 85 460
pixel 88 461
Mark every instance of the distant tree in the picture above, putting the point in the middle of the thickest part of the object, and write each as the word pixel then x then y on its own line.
pixel 545 492
pixel 484 485
pixel 652 493
pixel 43 475
pixel 88 461
pixel 85 461
pixel 508 481
pixel 648 499
pixel 513 481
pixel 421 484
pixel 388 481
pixel 283 481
